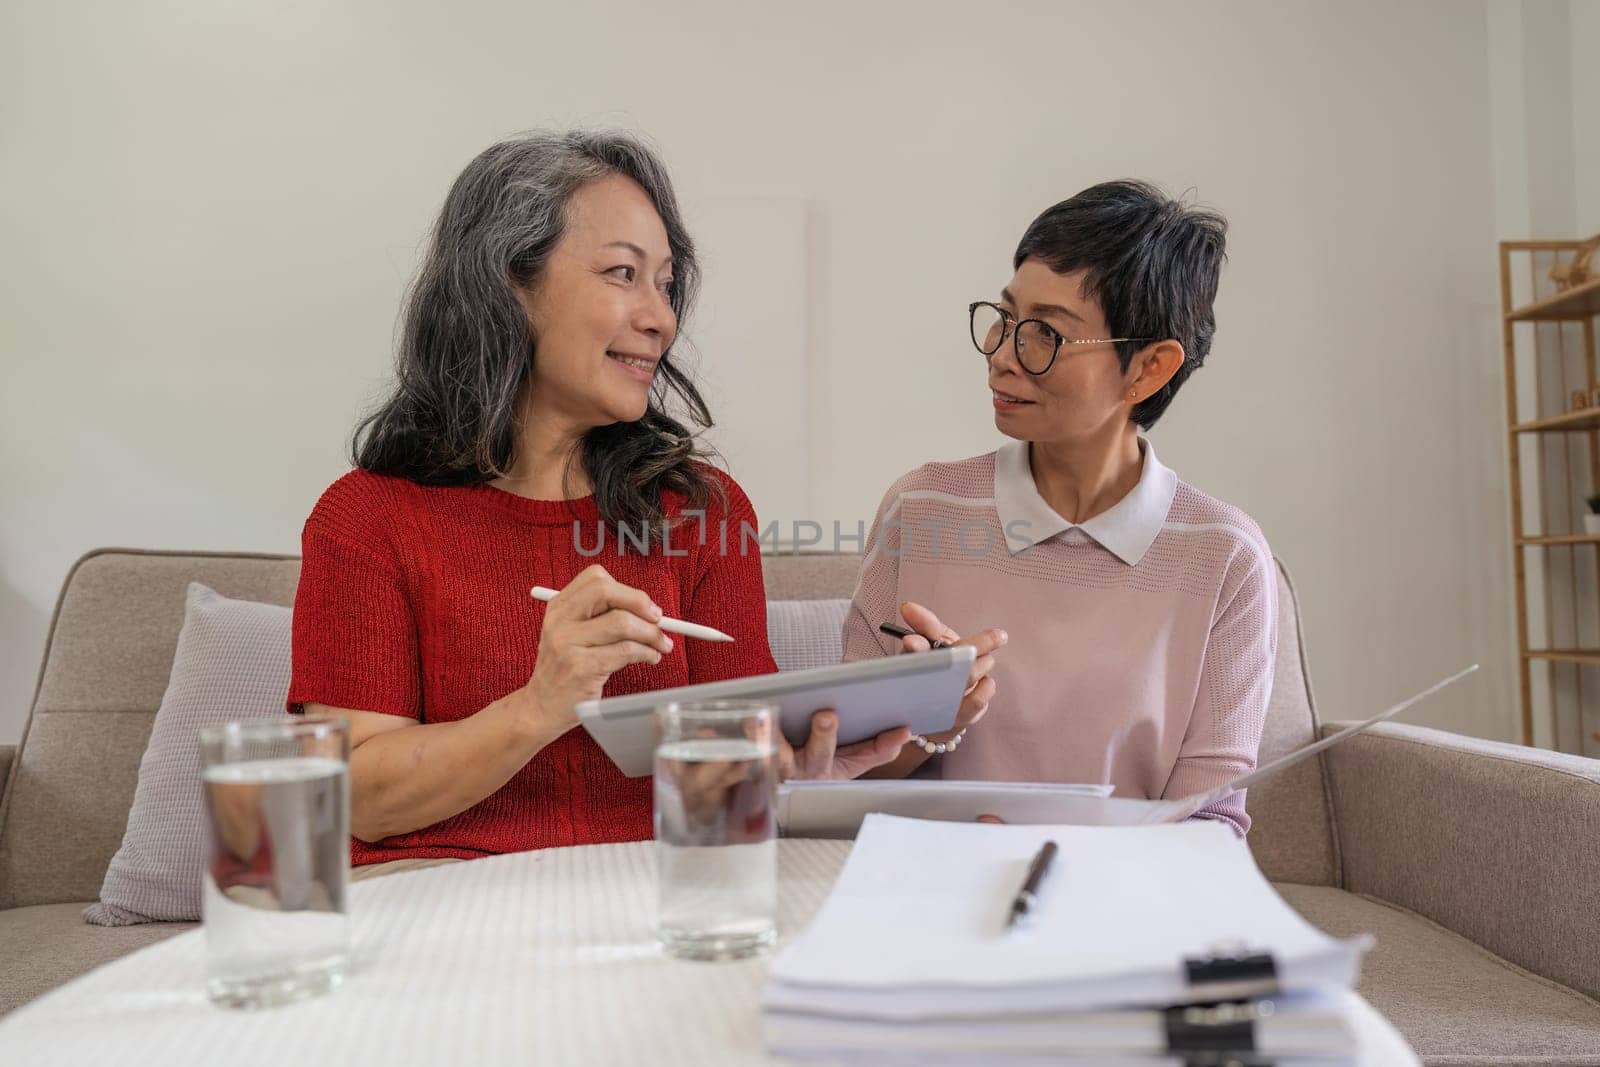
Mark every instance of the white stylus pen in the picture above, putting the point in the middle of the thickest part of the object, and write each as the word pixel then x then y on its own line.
pixel 671 625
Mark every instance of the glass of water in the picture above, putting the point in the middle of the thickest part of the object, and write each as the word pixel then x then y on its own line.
pixel 716 828
pixel 277 800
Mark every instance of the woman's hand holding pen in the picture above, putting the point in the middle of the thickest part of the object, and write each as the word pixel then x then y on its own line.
pixel 931 633
pixel 595 627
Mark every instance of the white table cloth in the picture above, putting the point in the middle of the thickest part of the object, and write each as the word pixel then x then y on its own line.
pixel 534 958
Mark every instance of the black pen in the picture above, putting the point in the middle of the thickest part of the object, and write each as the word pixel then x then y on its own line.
pixel 900 631
pixel 1028 895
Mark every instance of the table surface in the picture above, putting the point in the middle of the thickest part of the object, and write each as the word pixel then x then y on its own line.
pixel 536 957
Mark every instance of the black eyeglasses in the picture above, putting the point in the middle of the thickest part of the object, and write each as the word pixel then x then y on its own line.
pixel 1035 341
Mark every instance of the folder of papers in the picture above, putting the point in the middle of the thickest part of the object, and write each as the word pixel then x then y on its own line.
pixel 1132 929
pixel 822 808
pixel 837 808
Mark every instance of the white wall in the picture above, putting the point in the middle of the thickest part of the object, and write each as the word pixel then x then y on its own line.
pixel 210 210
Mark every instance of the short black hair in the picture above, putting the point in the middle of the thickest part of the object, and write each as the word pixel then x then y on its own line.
pixel 1152 262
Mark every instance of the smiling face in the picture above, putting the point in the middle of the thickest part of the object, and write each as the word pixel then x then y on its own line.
pixel 600 311
pixel 1084 394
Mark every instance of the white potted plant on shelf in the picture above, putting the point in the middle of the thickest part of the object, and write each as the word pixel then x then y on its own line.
pixel 1591 521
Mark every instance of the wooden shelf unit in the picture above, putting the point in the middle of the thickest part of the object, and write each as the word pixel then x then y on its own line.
pixel 1586 420
pixel 1566 655
pixel 1562 539
pixel 1571 305
pixel 1580 305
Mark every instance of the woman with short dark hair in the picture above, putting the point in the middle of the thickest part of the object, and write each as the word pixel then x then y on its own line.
pixel 528 431
pixel 1140 614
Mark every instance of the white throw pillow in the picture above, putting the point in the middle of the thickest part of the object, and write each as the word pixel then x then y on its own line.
pixel 806 633
pixel 232 664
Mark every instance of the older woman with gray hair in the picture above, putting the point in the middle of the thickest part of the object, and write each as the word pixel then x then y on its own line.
pixel 537 408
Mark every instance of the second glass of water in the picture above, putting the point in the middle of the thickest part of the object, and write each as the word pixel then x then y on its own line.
pixel 716 829
pixel 277 800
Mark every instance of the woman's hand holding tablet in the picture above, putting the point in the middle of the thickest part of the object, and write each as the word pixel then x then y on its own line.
pixel 821 758
pixel 861 702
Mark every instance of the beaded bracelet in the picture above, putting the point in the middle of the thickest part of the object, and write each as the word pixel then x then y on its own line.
pixel 938 748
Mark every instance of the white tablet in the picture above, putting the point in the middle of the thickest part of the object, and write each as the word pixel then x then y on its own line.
pixel 921 690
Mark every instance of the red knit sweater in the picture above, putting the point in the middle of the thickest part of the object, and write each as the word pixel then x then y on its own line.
pixel 413 601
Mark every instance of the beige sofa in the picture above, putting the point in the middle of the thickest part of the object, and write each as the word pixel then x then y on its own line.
pixel 1476 865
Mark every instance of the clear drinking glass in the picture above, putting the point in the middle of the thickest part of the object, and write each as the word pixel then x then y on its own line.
pixel 277 799
pixel 716 828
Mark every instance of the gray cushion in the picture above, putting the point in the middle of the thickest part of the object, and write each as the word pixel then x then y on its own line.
pixel 806 633
pixel 810 575
pixel 1457 1004
pixel 49 945
pixel 106 665
pixel 232 664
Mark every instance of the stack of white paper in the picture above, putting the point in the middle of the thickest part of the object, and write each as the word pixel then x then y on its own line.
pixel 910 954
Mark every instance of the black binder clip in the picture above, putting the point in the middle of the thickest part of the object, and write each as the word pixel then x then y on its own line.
pixel 1230 973
pixel 1216 1035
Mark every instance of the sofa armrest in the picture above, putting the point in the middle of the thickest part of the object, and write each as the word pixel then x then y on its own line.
pixel 1497 842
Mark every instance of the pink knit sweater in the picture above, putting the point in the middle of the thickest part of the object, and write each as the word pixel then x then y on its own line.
pixel 1141 642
